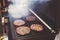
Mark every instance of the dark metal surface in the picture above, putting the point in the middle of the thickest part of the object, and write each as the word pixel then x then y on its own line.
pixel 43 35
pixel 48 13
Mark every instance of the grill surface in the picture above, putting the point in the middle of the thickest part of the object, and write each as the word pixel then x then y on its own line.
pixel 46 12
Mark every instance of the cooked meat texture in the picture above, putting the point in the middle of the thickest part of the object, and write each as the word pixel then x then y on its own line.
pixel 19 22
pixel 36 27
pixel 30 18
pixel 23 30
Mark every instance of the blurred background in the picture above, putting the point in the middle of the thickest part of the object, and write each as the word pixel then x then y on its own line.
pixel 11 10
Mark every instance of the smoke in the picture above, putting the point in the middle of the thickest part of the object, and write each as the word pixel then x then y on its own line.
pixel 19 8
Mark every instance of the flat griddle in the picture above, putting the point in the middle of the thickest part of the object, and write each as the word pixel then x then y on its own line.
pixel 34 35
pixel 43 35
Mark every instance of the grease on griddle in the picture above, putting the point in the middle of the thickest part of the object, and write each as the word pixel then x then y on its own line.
pixel 36 27
pixel 19 22
pixel 23 30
